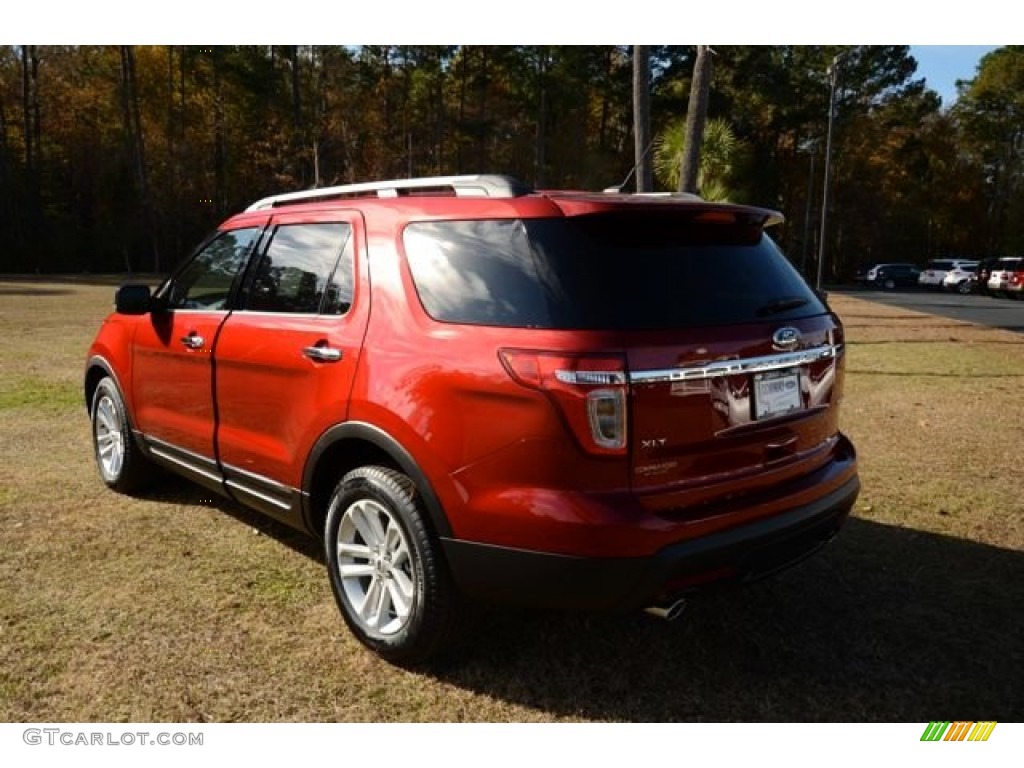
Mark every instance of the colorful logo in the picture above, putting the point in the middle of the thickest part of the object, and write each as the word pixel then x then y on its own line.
pixel 958 731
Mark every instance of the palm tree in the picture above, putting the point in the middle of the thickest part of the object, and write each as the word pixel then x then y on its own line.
pixel 721 153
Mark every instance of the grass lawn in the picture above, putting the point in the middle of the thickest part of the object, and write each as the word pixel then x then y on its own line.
pixel 180 607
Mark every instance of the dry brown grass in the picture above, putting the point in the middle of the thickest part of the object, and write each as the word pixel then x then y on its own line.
pixel 176 607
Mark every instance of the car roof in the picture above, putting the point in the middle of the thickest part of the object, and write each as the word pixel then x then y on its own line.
pixel 500 196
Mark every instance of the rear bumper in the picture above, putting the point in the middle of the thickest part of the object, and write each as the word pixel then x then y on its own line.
pixel 742 553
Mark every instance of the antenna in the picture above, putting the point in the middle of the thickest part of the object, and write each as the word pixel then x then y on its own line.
pixel 625 181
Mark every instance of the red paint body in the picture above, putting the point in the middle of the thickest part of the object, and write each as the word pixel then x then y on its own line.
pixel 499 456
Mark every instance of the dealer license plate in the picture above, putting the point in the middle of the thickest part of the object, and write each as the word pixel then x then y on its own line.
pixel 776 393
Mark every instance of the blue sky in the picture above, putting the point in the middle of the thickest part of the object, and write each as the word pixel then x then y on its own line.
pixel 943 65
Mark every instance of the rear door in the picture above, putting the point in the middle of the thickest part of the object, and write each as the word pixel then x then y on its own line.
pixel 285 361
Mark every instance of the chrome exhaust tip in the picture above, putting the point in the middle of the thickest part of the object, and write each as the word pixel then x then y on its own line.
pixel 668 612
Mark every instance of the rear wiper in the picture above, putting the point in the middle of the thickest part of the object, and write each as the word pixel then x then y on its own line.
pixel 780 305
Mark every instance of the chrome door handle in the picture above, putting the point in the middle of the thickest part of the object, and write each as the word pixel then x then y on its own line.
pixel 193 341
pixel 323 354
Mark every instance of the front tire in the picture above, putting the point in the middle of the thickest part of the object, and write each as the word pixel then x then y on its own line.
pixel 889 284
pixel 122 466
pixel 385 567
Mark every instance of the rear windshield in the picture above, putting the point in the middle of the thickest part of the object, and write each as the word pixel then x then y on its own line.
pixel 602 272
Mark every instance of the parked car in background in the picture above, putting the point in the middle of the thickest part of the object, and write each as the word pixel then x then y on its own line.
pixel 981 277
pixel 889 275
pixel 959 278
pixel 1007 277
pixel 1015 288
pixel 936 269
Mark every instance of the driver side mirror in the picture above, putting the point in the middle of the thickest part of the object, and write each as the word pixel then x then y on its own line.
pixel 133 299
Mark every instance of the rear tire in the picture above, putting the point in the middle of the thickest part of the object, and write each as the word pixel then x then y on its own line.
pixel 386 570
pixel 889 284
pixel 118 458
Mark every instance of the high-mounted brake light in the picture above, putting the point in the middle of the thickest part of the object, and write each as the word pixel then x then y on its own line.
pixel 589 391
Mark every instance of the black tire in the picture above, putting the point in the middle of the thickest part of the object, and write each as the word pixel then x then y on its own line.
pixel 889 284
pixel 376 529
pixel 118 458
pixel 963 287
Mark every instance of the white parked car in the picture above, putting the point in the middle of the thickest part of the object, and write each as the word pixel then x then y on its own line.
pixel 936 269
pixel 1007 277
pixel 959 277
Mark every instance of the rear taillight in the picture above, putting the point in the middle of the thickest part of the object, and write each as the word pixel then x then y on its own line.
pixel 589 390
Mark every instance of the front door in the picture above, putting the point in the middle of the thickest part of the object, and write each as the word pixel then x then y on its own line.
pixel 172 361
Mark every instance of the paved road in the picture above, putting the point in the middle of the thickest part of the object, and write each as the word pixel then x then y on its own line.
pixel 984 310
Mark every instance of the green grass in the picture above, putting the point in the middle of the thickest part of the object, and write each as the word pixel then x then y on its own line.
pixel 170 608
pixel 36 392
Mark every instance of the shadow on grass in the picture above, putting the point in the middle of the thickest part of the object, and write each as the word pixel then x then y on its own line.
pixel 173 490
pixel 884 624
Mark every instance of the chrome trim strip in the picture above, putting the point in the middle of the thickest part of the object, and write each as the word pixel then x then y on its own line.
pixel 168 456
pixel 235 479
pixel 260 479
pixel 237 486
pixel 721 368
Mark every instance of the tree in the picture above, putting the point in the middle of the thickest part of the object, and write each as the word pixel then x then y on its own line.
pixel 642 117
pixel 721 158
pixel 696 117
pixel 990 112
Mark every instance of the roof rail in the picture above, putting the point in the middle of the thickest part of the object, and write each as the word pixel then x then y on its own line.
pixel 482 185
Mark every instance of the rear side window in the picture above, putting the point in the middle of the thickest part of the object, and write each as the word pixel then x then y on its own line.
pixel 302 267
pixel 602 272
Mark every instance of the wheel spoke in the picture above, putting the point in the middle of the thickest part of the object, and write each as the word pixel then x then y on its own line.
pixel 383 609
pixel 400 556
pixel 362 519
pixel 402 592
pixel 355 570
pixel 353 550
pixel 370 603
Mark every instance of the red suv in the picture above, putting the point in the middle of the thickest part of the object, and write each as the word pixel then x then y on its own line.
pixel 474 391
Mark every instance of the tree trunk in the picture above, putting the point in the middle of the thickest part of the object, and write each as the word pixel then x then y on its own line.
pixel 539 158
pixel 136 140
pixel 696 116
pixel 220 196
pixel 33 132
pixel 642 117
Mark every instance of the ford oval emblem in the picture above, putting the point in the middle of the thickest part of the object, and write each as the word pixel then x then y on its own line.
pixel 786 338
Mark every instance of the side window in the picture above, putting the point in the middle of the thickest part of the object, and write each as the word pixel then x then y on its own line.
pixel 300 267
pixel 205 282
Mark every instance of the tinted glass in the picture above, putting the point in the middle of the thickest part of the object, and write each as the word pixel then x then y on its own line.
pixel 299 264
pixel 602 272
pixel 205 282
pixel 340 286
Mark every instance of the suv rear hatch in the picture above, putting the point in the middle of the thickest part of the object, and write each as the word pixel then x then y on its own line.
pixel 732 360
